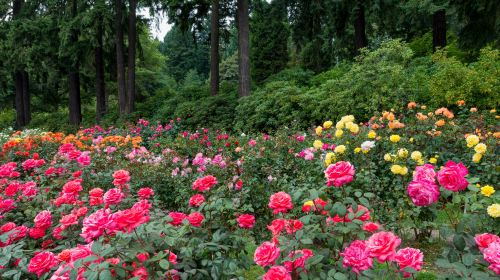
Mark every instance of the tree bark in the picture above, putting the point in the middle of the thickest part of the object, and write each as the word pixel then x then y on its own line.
pixel 18 84
pixel 243 48
pixel 132 43
pixel 99 74
pixel 439 29
pixel 360 40
pixel 75 111
pixel 26 97
pixel 120 63
pixel 214 48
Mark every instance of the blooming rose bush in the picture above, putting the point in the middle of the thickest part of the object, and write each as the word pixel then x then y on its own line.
pixel 343 200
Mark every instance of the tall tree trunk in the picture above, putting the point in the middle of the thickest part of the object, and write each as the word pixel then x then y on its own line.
pixel 26 97
pixel 360 40
pixel 132 39
pixel 439 29
pixel 243 48
pixel 19 102
pixel 75 111
pixel 120 63
pixel 100 89
pixel 214 48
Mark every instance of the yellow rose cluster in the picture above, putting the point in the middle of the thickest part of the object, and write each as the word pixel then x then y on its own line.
pixel 398 169
pixel 479 148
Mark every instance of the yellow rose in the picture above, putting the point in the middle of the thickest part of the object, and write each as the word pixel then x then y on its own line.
pixel 340 149
pixel 372 134
pixel 476 158
pixel 394 138
pixel 354 128
pixel 420 162
pixel 309 203
pixel 317 144
pixel 404 170
pixel 349 118
pixel 339 125
pixel 348 125
pixel 411 140
pixel 329 158
pixel 494 210
pixel 472 140
pixel 357 150
pixel 487 190
pixel 416 155
pixel 339 133
pixel 387 157
pixel 480 148
pixel 396 169
pixel 433 160
pixel 327 124
pixel 319 130
pixel 403 153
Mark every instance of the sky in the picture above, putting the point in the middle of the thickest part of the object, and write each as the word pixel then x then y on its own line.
pixel 158 25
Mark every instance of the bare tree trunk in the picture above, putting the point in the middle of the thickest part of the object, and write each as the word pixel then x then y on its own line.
pixel 99 74
pixel 18 83
pixel 439 29
pixel 75 111
pixel 132 39
pixel 120 63
pixel 360 40
pixel 26 97
pixel 214 48
pixel 243 48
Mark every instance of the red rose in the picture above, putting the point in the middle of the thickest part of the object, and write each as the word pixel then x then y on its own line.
pixel 195 219
pixel 145 193
pixel 370 226
pixel 177 217
pixel 293 225
pixel 42 262
pixel 246 221
pixel 196 200
pixel 43 219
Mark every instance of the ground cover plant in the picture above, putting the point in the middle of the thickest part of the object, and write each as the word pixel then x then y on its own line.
pixel 342 200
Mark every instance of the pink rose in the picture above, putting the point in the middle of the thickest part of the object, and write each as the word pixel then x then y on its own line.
pixel 382 245
pixel 292 226
pixel 277 273
pixel 485 239
pixel 357 256
pixel 121 177
pixel 423 192
pixel 205 183
pixel 8 227
pixel 113 196
pixel 409 257
pixel 43 219
pixel 277 226
pixel 298 258
pixel 492 255
pixel 246 221
pixel 177 217
pixel 424 173
pixel 145 193
pixel 266 254
pixel 195 219
pixel 96 223
pixel 452 176
pixel 42 262
pixel 280 202
pixel 339 174
pixel 371 227
pixel 196 200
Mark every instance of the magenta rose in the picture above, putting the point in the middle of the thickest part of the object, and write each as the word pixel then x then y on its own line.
pixel 485 239
pixel 492 255
pixel 424 173
pixel 382 245
pixel 43 219
pixel 339 174
pixel 423 192
pixel 452 176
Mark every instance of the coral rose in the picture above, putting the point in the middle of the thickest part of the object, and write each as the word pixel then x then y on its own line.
pixel 205 183
pixel 121 177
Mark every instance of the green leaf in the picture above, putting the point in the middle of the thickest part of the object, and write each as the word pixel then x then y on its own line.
pixel 340 276
pixel 9 273
pixel 105 275
pixel 164 264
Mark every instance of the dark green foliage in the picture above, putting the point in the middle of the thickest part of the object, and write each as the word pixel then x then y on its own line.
pixel 269 39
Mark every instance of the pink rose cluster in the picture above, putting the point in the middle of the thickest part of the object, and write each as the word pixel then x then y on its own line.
pixel 268 253
pixel 423 189
pixel 381 246
pixel 339 174
pixel 489 245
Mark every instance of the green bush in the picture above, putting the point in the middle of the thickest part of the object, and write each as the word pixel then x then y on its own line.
pixel 7 118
